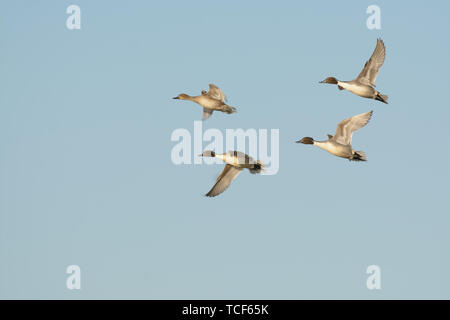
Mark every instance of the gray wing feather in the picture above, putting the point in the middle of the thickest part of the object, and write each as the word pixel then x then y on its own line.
pixel 228 174
pixel 215 93
pixel 345 128
pixel 370 71
pixel 206 113
pixel 242 157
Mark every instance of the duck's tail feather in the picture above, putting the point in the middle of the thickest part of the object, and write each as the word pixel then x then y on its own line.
pixel 229 109
pixel 359 156
pixel 257 167
pixel 382 97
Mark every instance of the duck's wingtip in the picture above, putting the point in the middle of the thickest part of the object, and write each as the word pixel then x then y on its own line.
pixel 209 195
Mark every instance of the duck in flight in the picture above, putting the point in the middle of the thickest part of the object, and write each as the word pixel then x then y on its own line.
pixel 212 100
pixel 340 144
pixel 235 162
pixel 364 84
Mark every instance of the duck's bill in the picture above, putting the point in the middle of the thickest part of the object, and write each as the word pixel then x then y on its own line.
pixel 323 81
pixel 175 98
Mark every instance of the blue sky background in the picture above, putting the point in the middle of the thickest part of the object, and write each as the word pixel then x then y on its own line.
pixel 85 171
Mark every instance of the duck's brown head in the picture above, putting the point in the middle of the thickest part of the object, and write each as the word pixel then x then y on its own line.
pixel 208 153
pixel 182 96
pixel 306 140
pixel 330 80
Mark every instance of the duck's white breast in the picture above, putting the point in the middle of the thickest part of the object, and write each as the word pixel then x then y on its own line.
pixel 358 89
pixel 334 148
pixel 227 158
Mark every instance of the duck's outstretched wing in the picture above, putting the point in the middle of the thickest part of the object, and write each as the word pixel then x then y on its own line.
pixel 215 93
pixel 206 113
pixel 369 73
pixel 345 128
pixel 228 174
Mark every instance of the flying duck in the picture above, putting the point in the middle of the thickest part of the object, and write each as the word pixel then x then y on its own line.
pixel 364 83
pixel 212 100
pixel 235 162
pixel 340 144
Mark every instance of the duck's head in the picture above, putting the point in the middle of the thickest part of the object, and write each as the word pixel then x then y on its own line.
pixel 330 80
pixel 182 96
pixel 306 140
pixel 208 153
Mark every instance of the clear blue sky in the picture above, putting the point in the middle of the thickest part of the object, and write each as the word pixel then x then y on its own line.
pixel 85 171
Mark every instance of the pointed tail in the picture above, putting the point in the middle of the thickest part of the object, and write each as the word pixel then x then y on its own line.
pixel 359 156
pixel 382 97
pixel 257 167
pixel 229 109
